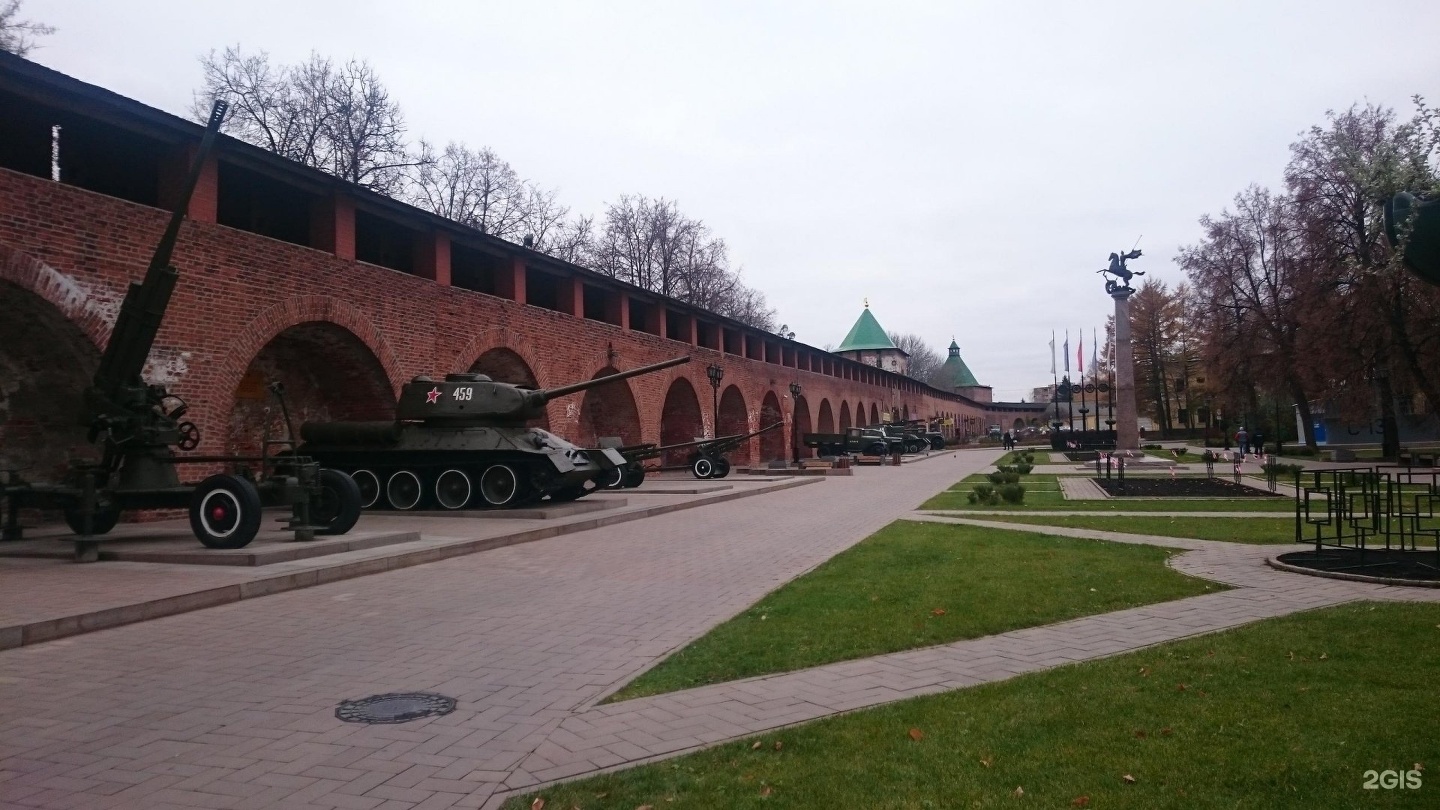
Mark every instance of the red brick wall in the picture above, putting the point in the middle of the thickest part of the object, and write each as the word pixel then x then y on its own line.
pixel 239 291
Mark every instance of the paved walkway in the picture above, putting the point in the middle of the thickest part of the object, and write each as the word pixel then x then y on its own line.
pixel 232 707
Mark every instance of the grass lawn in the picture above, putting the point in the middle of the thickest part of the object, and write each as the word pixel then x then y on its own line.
pixel 1261 529
pixel 1286 713
pixel 918 584
pixel 1042 491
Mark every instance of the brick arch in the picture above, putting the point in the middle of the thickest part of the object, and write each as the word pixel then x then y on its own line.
pixel 264 327
pixel 825 422
pixel 491 338
pixel 64 293
pixel 844 418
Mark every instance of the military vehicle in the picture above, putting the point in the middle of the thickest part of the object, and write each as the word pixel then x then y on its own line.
pixel 462 442
pixel 139 426
pixel 707 461
pixel 854 441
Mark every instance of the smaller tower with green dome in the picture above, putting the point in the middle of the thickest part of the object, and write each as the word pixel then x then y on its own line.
pixel 867 343
pixel 955 376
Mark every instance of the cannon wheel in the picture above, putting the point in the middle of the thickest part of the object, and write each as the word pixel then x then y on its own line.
pixel 634 475
pixel 702 467
pixel 338 507
pixel 101 522
pixel 612 479
pixel 225 512
pixel 722 468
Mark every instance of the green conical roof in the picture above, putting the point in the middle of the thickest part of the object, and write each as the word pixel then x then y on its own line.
pixel 955 374
pixel 866 334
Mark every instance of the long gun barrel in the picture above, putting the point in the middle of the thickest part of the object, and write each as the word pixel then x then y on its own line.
pixel 145 303
pixel 545 395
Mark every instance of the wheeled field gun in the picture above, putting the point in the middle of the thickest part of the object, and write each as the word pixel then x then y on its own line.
pixel 139 428
pixel 1414 223
pixel 707 461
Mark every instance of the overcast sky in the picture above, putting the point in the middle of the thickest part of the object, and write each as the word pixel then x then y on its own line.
pixel 966 166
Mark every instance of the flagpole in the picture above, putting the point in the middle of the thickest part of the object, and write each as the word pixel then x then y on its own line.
pixel 1054 381
pixel 1084 404
pixel 1070 388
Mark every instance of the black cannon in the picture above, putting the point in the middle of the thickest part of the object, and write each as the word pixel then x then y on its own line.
pixel 707 460
pixel 139 426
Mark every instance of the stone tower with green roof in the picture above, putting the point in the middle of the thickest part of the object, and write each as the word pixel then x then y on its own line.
pixel 955 376
pixel 867 343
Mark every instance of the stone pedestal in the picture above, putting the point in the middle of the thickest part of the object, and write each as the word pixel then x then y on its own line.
pixel 1127 422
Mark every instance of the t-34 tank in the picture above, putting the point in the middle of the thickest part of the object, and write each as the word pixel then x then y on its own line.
pixel 462 442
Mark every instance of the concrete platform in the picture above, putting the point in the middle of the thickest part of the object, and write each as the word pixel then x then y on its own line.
pixel 43 598
pixel 172 542
pixel 543 511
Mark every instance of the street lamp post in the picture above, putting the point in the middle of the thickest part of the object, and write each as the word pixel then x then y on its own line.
pixel 795 389
pixel 716 374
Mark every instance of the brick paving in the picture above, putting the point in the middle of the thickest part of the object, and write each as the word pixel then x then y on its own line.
pixel 232 707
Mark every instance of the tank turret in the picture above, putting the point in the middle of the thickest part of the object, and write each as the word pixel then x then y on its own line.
pixel 462 442
pixel 475 399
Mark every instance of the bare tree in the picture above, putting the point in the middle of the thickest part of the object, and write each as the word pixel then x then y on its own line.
pixel 924 362
pixel 17 36
pixel 340 120
pixel 474 188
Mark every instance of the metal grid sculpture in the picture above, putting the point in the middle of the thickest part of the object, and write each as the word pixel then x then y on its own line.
pixel 1353 511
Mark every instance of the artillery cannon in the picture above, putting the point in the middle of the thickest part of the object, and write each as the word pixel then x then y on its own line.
pixel 707 461
pixel 139 426
pixel 462 442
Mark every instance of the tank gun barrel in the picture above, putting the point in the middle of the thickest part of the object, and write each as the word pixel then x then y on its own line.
pixel 545 395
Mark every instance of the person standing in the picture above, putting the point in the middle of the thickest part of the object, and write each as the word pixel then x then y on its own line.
pixel 1257 443
pixel 1242 441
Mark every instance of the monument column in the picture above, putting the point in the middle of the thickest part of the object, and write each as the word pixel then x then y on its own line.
pixel 1127 422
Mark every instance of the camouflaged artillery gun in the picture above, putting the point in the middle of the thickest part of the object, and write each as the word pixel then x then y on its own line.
pixel 463 442
pixel 139 426
pixel 707 461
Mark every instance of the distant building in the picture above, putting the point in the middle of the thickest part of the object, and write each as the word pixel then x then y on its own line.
pixel 955 376
pixel 1044 393
pixel 867 343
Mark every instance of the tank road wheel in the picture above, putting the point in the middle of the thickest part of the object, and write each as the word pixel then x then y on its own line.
pixel 702 467
pixel 722 468
pixel 499 485
pixel 102 521
pixel 634 475
pixel 403 490
pixel 452 489
pixel 369 484
pixel 612 479
pixel 338 507
pixel 225 512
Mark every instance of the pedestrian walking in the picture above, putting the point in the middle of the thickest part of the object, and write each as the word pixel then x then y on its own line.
pixel 1257 442
pixel 1242 441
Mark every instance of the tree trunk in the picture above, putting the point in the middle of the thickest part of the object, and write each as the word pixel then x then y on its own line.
pixel 1389 423
pixel 1307 419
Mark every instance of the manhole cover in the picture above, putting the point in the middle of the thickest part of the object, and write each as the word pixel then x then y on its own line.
pixel 396 707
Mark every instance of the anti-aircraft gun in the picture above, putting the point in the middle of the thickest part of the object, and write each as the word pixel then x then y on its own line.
pixel 139 426
pixel 707 460
pixel 463 442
